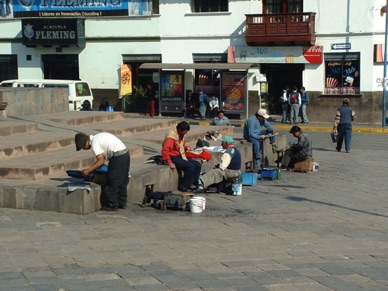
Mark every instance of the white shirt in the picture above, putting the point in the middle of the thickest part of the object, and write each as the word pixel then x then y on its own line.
pixel 105 143
pixel 213 103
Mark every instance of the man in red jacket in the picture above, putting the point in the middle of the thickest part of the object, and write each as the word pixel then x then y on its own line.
pixel 174 154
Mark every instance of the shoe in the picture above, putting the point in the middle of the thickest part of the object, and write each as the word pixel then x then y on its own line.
pixel 199 189
pixel 123 206
pixel 105 208
pixel 182 188
pixel 338 150
pixel 192 187
pixel 347 151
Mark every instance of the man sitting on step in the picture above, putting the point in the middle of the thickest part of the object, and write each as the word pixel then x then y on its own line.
pixel 229 168
pixel 298 151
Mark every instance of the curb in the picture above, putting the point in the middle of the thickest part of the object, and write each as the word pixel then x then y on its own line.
pixel 305 127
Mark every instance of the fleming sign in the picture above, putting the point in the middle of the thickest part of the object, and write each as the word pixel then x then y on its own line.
pixel 48 32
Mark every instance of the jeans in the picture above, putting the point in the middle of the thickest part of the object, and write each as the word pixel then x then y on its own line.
pixel 294 113
pixel 190 168
pixel 114 193
pixel 344 131
pixel 303 113
pixel 284 111
pixel 256 145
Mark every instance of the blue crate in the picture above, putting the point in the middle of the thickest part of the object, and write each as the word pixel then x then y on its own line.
pixel 269 173
pixel 249 179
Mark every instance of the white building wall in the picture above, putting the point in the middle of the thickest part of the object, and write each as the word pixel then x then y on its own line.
pixel 183 33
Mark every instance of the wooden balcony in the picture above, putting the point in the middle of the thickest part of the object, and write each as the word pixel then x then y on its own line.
pixel 280 29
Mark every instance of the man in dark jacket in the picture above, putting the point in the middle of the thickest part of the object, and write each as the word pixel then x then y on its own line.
pixel 343 125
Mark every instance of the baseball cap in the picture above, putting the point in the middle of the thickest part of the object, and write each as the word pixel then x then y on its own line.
pixel 80 141
pixel 262 112
pixel 346 100
pixel 227 139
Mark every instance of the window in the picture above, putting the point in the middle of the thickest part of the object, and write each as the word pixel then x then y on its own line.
pixel 342 73
pixel 282 6
pixel 8 67
pixel 210 6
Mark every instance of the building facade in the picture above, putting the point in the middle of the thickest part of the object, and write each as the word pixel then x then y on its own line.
pixel 243 52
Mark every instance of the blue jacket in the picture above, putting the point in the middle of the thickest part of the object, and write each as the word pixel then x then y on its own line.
pixel 252 127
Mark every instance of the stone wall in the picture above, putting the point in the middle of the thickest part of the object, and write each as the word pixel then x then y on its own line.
pixel 367 106
pixel 33 101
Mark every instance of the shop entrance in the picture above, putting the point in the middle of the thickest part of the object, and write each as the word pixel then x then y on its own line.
pixel 279 75
pixel 62 67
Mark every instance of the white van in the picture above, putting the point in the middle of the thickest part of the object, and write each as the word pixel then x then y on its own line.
pixel 79 91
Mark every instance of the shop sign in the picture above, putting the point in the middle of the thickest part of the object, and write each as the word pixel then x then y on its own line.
pixel 276 55
pixel 233 92
pixel 171 93
pixel 74 9
pixel 48 32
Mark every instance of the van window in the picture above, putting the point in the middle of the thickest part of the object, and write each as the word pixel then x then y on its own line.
pixel 6 85
pixel 82 89
pixel 55 86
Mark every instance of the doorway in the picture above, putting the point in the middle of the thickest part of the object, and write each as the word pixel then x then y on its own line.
pixel 62 67
pixel 279 75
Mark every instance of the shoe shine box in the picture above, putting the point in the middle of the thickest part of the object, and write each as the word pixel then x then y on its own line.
pixel 269 173
pixel 249 179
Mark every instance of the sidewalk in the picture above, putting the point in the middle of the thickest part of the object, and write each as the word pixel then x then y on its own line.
pixel 322 126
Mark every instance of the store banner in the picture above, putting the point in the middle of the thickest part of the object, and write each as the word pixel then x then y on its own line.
pixel 126 80
pixel 276 55
pixel 233 92
pixel 80 9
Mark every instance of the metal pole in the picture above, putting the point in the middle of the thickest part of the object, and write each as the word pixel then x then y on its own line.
pixel 385 70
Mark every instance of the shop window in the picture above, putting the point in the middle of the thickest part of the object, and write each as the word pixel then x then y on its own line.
pixel 210 6
pixel 342 73
pixel 8 67
pixel 282 6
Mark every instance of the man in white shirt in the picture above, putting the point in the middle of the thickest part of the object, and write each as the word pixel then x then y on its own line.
pixel 107 147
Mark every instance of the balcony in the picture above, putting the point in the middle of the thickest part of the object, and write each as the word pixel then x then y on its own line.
pixel 280 29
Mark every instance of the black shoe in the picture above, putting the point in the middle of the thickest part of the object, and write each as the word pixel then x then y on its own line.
pixel 123 206
pixel 338 150
pixel 182 188
pixel 199 189
pixel 105 208
pixel 192 187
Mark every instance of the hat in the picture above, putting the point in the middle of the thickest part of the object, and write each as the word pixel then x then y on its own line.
pixel 227 139
pixel 80 141
pixel 346 100
pixel 262 112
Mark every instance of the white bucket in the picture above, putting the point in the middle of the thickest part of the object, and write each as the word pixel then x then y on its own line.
pixel 237 189
pixel 203 201
pixel 196 205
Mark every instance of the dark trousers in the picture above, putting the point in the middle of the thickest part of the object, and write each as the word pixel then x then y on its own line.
pixel 114 193
pixel 344 132
pixel 190 168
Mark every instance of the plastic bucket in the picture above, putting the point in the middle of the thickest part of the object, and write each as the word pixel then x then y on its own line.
pixel 237 189
pixel 196 205
pixel 203 201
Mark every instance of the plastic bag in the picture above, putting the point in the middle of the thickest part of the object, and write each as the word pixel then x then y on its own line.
pixel 334 136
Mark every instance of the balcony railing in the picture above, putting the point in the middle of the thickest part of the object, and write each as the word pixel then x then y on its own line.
pixel 280 29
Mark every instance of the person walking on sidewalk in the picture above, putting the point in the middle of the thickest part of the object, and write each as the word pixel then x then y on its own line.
pixel 254 134
pixel 174 154
pixel 294 101
pixel 229 168
pixel 343 125
pixel 203 100
pixel 107 147
pixel 305 101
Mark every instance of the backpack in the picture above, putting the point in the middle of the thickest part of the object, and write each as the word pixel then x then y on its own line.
pixel 294 98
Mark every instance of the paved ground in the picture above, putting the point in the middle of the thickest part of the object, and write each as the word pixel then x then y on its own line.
pixel 318 231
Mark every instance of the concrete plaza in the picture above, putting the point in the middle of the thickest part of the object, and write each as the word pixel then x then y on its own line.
pixel 323 230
